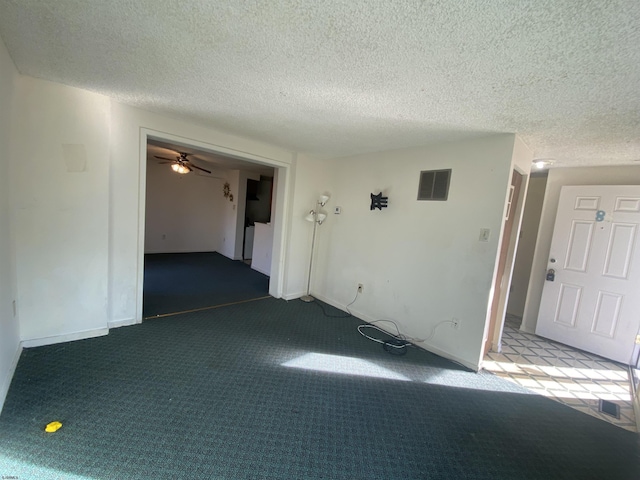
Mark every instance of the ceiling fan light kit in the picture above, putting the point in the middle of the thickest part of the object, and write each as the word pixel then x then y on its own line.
pixel 182 164
pixel 178 168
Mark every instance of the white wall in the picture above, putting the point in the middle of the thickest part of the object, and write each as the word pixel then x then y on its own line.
pixel 9 330
pixel 421 262
pixel 558 177
pixel 79 233
pixel 526 246
pixel 184 213
pixel 61 211
pixel 78 213
pixel 231 230
pixel 309 179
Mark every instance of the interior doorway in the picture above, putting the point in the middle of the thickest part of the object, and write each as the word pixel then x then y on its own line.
pixel 193 225
pixel 502 280
pixel 581 380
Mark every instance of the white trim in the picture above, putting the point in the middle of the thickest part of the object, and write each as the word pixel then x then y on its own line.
pixel 339 306
pixel 281 226
pixel 501 296
pixel 68 337
pixel 293 296
pixel 263 271
pixel 429 348
pixel 635 398
pixel 6 381
pixel 636 411
pixel 525 328
pixel 211 147
pixel 142 205
pixel 453 358
pixel 121 323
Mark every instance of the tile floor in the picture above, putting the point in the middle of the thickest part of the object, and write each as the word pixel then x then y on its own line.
pixel 570 376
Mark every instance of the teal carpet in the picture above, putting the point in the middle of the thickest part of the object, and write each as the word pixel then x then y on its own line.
pixel 275 390
pixel 175 282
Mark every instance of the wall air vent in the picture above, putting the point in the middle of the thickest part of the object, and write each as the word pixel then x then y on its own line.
pixel 434 184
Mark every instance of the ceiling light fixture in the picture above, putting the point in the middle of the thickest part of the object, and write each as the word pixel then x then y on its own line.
pixel 179 168
pixel 541 163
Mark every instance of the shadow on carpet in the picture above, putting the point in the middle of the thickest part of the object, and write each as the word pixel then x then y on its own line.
pixel 176 282
pixel 275 390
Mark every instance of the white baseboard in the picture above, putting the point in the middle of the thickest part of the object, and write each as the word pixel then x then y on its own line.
pixel 636 410
pixel 339 306
pixel 69 337
pixel 125 322
pixel 525 329
pixel 635 400
pixel 453 358
pixel 293 296
pixel 261 270
pixel 6 381
pixel 428 348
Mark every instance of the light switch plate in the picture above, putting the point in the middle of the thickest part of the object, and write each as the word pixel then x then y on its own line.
pixel 485 233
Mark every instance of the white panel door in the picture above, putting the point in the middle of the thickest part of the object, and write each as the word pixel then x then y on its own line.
pixel 591 300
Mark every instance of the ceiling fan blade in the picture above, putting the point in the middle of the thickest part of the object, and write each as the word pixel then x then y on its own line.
pixel 165 163
pixel 165 158
pixel 203 169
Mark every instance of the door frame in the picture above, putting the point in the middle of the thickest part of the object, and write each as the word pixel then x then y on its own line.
pixel 499 296
pixel 280 207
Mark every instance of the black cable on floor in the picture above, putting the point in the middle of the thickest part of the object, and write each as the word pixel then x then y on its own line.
pixel 328 315
pixel 337 316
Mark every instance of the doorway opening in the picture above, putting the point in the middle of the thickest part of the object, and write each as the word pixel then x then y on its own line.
pixel 507 252
pixel 194 235
pixel 576 378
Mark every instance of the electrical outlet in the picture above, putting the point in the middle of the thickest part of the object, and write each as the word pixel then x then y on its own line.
pixel 455 323
pixel 360 288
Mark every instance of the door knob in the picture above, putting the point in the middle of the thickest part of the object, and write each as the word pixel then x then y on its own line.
pixel 551 275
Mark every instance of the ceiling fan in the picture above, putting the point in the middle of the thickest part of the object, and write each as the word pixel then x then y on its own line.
pixel 181 164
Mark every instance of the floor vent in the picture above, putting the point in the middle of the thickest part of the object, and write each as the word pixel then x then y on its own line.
pixel 610 408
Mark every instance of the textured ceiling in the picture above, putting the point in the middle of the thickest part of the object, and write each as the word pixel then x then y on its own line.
pixel 333 78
